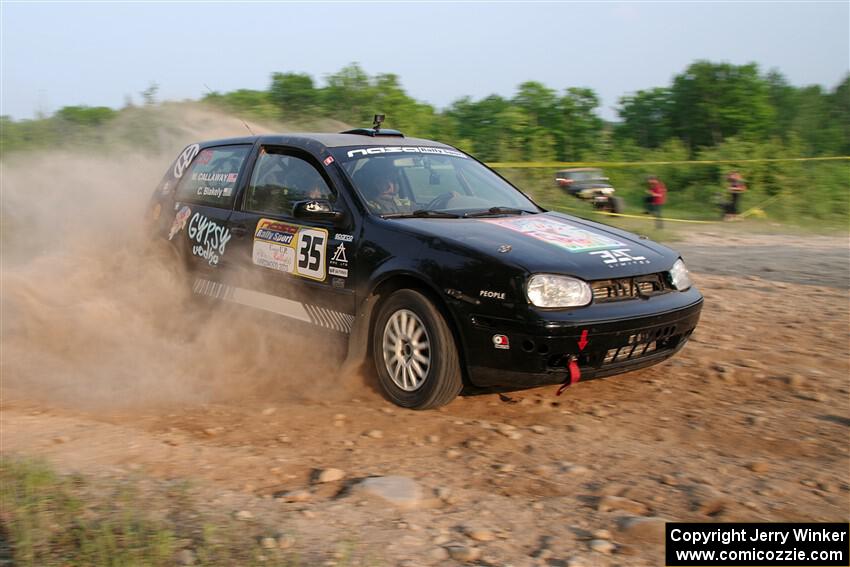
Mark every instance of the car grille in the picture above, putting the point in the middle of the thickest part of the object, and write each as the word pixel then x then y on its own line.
pixel 639 345
pixel 642 344
pixel 620 289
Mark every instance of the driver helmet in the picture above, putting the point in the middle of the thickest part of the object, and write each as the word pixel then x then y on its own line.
pixel 377 179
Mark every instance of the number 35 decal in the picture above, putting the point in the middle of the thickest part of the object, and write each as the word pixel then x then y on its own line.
pixel 312 246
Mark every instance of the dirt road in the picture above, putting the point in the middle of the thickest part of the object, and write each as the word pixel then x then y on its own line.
pixel 749 422
pixel 814 260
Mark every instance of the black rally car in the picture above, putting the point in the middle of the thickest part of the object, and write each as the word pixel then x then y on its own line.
pixel 433 264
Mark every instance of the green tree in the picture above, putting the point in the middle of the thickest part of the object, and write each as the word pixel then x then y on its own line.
pixel 646 117
pixel 813 122
pixel 512 143
pixel 783 98
pixel 349 95
pixel 840 114
pixel 403 112
pixel 582 128
pixel 542 145
pixel 715 101
pixel 539 103
pixel 293 93
pixel 541 108
pixel 479 122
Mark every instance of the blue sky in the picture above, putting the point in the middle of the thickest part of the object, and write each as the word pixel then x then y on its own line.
pixel 58 54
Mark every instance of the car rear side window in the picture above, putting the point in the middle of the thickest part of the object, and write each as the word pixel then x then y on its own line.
pixel 211 179
pixel 279 180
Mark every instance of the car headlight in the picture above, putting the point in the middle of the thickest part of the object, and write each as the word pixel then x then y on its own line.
pixel 546 290
pixel 679 276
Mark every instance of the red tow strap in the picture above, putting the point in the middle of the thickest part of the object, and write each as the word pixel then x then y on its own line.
pixel 575 376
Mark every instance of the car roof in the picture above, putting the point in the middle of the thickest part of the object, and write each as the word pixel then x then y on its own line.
pixel 328 140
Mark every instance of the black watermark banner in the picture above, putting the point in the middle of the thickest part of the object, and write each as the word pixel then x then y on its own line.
pixel 757 544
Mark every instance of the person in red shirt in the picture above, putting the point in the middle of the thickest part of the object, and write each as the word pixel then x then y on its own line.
pixel 656 198
pixel 737 186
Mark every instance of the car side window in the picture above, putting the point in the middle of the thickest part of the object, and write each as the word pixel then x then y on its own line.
pixel 211 178
pixel 279 180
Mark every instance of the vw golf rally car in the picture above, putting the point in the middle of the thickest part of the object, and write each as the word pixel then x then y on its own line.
pixel 432 264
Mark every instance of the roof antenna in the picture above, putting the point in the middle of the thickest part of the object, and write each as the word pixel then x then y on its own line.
pixel 376 123
pixel 245 124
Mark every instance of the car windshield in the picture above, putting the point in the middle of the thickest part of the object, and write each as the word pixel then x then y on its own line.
pixel 584 175
pixel 400 181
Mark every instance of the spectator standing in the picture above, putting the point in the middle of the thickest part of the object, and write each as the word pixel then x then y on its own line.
pixel 656 198
pixel 737 186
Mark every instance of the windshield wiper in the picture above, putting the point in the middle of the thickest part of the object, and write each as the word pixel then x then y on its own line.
pixel 498 211
pixel 421 213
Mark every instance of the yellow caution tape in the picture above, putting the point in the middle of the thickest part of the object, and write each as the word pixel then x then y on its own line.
pixel 751 210
pixel 569 164
pixel 745 214
pixel 641 217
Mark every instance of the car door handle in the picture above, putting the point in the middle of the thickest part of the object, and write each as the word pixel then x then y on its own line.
pixel 239 230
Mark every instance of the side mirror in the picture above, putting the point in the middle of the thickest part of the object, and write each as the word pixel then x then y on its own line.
pixel 317 209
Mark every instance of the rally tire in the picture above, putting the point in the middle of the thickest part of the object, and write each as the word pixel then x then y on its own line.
pixel 421 386
pixel 616 205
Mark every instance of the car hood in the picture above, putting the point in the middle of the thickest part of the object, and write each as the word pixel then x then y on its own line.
pixel 551 243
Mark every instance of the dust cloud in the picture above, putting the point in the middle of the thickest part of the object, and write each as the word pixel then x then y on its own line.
pixel 93 314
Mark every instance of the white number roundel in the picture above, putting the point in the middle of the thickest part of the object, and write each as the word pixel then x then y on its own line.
pixel 185 159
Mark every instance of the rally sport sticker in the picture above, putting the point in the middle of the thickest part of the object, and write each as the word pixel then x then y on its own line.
pixel 560 233
pixel 294 249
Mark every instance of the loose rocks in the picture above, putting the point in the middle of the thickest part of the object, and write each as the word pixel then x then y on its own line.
pixel 649 528
pixel 602 546
pixel 463 553
pixel 618 503
pixel 399 491
pixel 329 475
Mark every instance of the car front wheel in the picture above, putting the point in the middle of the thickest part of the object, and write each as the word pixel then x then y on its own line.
pixel 415 353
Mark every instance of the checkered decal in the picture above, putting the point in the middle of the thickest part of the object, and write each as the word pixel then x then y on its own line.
pixel 330 319
pixel 320 316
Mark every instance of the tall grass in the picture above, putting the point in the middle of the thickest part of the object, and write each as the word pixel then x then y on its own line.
pixel 809 194
pixel 48 519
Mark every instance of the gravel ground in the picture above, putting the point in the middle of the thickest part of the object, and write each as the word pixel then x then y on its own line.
pixel 813 260
pixel 748 423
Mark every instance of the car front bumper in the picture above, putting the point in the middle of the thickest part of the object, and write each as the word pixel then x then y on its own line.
pixel 541 354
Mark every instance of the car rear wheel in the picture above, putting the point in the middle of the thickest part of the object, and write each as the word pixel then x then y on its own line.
pixel 415 353
pixel 617 204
